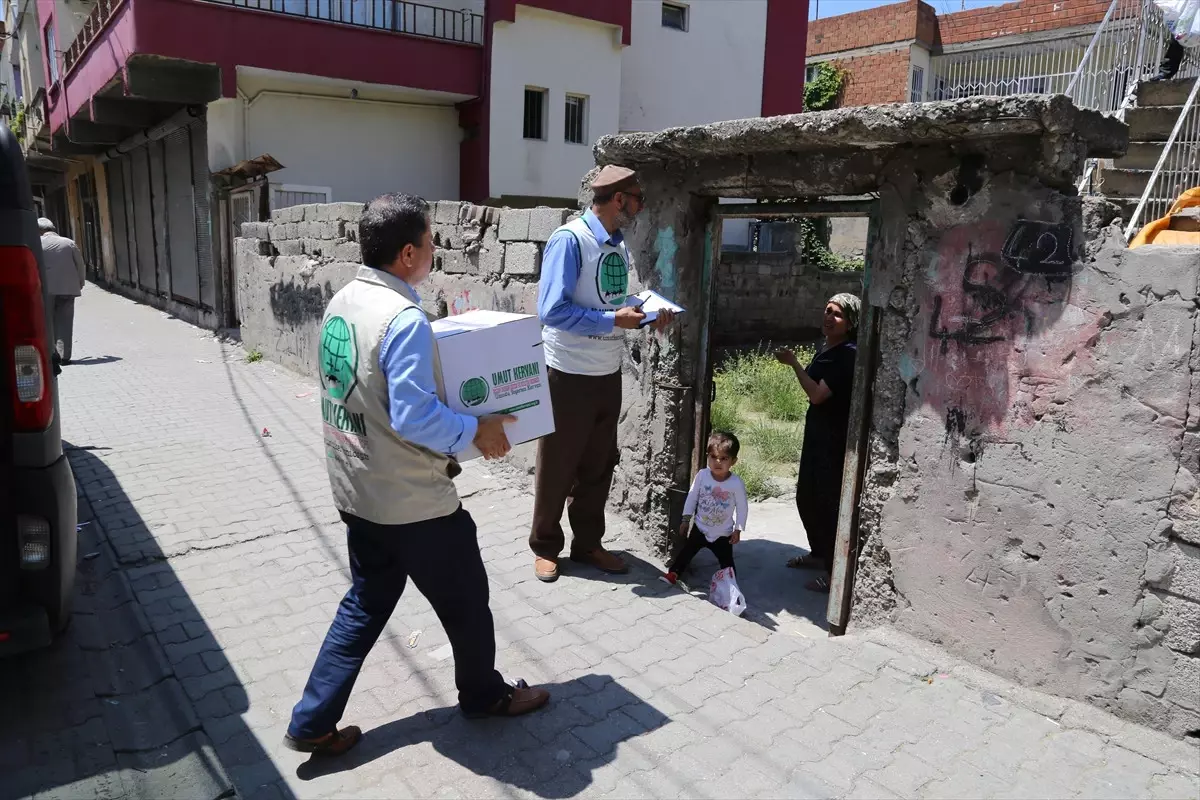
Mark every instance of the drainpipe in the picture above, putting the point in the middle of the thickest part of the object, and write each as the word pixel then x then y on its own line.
pixel 179 119
pixel 355 100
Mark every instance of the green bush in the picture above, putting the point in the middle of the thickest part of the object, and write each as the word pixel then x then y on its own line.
pixel 823 91
pixel 756 476
pixel 764 384
pixel 779 444
pixel 723 415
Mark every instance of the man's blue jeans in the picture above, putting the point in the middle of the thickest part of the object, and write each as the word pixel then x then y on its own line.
pixel 442 558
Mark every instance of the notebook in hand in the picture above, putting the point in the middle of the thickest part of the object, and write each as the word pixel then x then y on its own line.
pixel 651 302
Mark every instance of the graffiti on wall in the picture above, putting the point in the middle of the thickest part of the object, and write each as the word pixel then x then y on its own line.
pixel 1002 326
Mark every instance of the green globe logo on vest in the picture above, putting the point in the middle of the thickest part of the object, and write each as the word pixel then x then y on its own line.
pixel 473 392
pixel 339 358
pixel 612 279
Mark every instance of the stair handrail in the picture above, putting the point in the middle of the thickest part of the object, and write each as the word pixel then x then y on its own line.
pixel 1132 227
pixel 1091 48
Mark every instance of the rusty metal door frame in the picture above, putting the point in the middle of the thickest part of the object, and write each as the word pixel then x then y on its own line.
pixel 841 585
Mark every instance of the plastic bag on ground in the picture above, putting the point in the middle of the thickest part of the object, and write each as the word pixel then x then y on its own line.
pixel 724 593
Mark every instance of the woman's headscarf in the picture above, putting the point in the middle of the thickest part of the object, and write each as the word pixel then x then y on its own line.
pixel 851 305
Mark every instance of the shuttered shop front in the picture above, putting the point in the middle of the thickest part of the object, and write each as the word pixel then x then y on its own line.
pixel 159 198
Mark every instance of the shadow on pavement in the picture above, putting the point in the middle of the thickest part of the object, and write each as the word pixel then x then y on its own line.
pixel 771 588
pixel 547 753
pixel 93 361
pixel 111 709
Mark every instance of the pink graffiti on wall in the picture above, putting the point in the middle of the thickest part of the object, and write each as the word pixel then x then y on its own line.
pixel 462 303
pixel 1002 332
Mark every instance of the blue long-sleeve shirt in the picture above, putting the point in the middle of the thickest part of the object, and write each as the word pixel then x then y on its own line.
pixel 561 265
pixel 413 405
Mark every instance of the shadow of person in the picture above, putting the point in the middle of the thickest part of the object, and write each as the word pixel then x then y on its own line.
pixel 549 764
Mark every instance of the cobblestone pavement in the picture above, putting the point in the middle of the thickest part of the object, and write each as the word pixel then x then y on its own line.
pixel 205 472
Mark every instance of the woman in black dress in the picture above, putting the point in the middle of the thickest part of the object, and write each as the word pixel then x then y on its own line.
pixel 827 381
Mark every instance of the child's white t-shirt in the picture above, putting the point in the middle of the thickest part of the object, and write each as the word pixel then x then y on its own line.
pixel 712 505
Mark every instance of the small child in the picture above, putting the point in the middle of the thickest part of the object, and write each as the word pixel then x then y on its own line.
pixel 718 502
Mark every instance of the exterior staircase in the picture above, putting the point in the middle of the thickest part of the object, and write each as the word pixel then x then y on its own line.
pixel 1159 105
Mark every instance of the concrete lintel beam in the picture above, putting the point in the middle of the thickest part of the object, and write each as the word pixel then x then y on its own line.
pixel 81 131
pixel 129 113
pixel 164 82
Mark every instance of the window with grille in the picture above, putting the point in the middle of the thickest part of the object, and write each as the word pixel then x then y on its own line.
pixel 535 113
pixel 917 92
pixel 674 16
pixel 576 120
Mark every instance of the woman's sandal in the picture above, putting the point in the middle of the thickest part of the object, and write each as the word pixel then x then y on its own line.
pixel 520 698
pixel 819 584
pixel 806 561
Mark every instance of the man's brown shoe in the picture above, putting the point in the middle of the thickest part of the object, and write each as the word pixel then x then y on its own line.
pixel 546 569
pixel 602 560
pixel 520 699
pixel 331 744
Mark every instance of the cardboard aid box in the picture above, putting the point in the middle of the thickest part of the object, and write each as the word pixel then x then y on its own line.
pixel 492 363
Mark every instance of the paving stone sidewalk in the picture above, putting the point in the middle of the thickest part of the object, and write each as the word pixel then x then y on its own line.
pixel 205 472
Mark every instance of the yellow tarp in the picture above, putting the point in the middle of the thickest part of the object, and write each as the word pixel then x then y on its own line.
pixel 1159 231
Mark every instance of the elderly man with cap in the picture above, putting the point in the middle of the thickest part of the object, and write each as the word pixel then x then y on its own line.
pixel 582 305
pixel 65 276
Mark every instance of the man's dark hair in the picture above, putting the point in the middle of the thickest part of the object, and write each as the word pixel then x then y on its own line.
pixel 723 443
pixel 388 224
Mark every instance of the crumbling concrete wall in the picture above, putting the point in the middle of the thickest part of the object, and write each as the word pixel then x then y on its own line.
pixel 288 269
pixel 1030 496
pixel 773 297
pixel 1029 502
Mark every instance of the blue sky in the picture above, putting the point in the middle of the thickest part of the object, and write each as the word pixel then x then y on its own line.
pixel 831 8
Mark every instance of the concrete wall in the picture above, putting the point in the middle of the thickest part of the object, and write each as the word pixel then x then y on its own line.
pixel 773 297
pixel 1038 513
pixel 564 55
pixel 712 71
pixel 288 269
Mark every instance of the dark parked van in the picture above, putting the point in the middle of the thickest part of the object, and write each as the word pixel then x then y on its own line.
pixel 37 490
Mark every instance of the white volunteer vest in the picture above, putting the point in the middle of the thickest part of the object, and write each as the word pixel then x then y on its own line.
pixel 603 285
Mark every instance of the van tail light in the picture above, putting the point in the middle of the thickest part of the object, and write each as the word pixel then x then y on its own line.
pixel 24 338
pixel 33 536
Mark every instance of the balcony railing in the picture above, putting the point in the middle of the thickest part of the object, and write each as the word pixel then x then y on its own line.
pixel 395 16
pixel 101 14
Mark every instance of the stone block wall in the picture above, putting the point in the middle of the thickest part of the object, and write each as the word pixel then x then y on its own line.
pixel 773 297
pixel 286 270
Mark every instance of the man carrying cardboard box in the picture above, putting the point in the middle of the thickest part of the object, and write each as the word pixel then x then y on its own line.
pixel 390 442
pixel 582 304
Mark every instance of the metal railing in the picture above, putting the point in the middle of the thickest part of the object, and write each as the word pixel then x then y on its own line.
pixel 395 16
pixel 1098 70
pixel 1177 170
pixel 1033 68
pixel 99 17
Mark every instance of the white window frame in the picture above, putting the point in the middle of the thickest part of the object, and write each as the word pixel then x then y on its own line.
pixel 685 11
pixel 276 188
pixel 583 123
pixel 50 42
pixel 545 132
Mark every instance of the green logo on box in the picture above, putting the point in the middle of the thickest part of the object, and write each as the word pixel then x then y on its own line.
pixel 473 392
